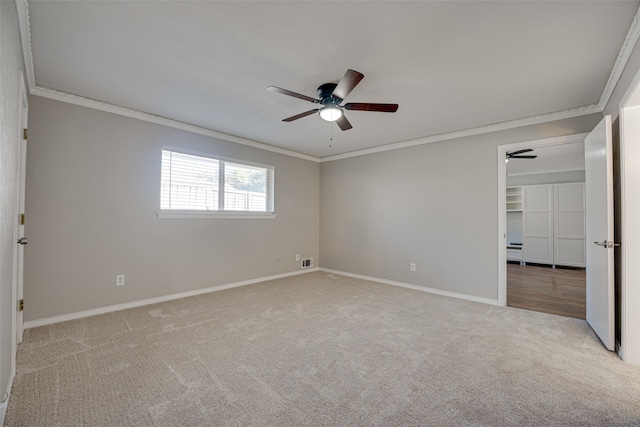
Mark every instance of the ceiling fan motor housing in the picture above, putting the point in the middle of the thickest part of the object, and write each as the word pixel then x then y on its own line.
pixel 325 93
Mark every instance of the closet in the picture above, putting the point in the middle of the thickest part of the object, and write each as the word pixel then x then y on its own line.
pixel 546 224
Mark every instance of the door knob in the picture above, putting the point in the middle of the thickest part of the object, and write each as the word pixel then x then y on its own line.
pixel 22 241
pixel 606 244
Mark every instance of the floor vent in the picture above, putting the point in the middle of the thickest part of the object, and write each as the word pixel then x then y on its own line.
pixel 307 263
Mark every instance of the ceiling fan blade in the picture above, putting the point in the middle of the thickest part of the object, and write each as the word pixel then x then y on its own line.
pixel 522 157
pixel 344 123
pixel 301 115
pixel 350 79
pixel 363 106
pixel 514 153
pixel 294 94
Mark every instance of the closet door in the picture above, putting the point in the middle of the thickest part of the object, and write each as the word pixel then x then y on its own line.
pixel 569 224
pixel 538 223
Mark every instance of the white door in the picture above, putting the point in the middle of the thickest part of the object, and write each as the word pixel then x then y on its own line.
pixel 599 232
pixel 568 224
pixel 538 223
pixel 20 220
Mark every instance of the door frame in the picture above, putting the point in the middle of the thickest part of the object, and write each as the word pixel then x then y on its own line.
pixel 18 252
pixel 502 200
pixel 629 118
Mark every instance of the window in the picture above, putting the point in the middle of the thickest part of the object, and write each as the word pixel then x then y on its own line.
pixel 200 184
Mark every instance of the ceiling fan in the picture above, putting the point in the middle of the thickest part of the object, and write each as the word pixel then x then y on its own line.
pixel 519 154
pixel 331 95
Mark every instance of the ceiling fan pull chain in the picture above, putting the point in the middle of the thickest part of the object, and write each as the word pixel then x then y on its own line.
pixel 331 135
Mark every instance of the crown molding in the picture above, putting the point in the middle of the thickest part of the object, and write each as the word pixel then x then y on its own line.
pixel 629 43
pixel 497 127
pixel 135 114
pixel 147 117
pixel 25 33
pixel 24 25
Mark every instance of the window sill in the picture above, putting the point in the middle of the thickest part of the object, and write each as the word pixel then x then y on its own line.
pixel 175 214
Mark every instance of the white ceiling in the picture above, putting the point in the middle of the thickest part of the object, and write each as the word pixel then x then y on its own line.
pixel 553 158
pixel 451 66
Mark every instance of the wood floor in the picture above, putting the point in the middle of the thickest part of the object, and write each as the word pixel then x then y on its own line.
pixel 559 291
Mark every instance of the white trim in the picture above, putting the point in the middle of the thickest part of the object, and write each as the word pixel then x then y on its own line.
pixel 414 287
pixel 25 32
pixel 621 61
pixel 178 214
pixel 512 124
pixel 135 114
pixel 502 226
pixel 630 206
pixel 4 401
pixel 127 112
pixel 635 84
pixel 24 24
pixel 545 172
pixel 502 199
pixel 124 306
pixel 151 118
pixel 3 411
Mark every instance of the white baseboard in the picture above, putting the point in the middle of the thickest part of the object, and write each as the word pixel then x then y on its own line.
pixel 416 287
pixel 148 301
pixel 3 411
pixel 6 394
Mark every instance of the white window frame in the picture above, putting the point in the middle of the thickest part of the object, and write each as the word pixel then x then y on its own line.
pixel 221 213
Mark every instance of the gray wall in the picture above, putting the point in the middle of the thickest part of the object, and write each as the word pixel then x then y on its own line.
pixel 10 66
pixel 93 190
pixel 435 205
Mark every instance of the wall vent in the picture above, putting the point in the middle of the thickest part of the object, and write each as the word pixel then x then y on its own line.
pixel 307 263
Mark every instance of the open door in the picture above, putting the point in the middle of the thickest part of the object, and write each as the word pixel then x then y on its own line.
pixel 22 240
pixel 599 232
pixel 23 110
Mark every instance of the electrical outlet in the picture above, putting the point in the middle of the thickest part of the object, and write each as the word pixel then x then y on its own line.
pixel 120 280
pixel 412 267
pixel 297 257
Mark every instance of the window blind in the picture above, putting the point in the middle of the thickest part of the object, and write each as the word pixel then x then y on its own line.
pixel 196 183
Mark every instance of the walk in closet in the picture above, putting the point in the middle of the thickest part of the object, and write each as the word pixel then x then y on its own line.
pixel 546 224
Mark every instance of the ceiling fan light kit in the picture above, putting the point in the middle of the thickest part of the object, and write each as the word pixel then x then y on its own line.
pixel 331 113
pixel 331 95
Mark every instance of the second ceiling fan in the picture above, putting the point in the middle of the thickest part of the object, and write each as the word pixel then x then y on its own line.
pixel 520 154
pixel 331 95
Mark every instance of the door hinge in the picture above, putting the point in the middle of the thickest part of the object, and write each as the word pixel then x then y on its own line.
pixel 21 219
pixel 21 305
pixel 25 133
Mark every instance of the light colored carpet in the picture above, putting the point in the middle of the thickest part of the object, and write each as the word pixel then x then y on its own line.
pixel 321 350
